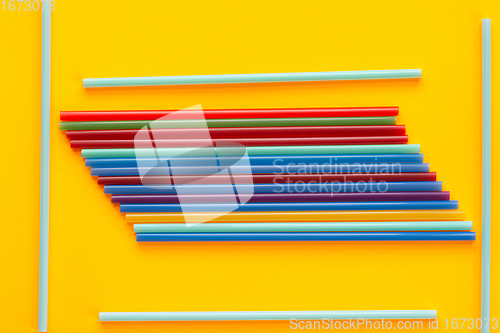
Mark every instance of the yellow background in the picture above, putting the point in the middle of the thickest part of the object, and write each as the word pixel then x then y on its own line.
pixel 95 262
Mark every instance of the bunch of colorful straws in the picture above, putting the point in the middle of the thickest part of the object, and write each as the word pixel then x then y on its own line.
pixel 346 174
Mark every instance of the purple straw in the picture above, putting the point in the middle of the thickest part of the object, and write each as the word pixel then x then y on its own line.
pixel 285 197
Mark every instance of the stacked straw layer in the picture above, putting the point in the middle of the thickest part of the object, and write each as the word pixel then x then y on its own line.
pixel 316 174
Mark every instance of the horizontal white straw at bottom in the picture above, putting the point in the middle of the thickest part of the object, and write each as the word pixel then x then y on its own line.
pixel 266 315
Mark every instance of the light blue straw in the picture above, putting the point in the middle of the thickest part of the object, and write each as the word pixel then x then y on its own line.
pixel 43 284
pixel 253 151
pixel 296 226
pixel 486 239
pixel 266 315
pixel 251 78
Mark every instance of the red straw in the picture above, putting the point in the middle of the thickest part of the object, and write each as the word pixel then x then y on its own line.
pixel 246 132
pixel 117 115
pixel 271 178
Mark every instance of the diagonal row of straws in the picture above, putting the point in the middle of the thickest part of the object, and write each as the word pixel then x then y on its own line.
pixel 346 174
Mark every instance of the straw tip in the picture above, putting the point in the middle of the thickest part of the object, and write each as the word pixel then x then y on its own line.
pixel 42 324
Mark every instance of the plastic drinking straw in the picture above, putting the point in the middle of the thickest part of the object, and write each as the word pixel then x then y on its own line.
pixel 43 284
pixel 113 115
pixel 266 315
pixel 281 197
pixel 270 178
pixel 255 122
pixel 252 78
pixel 363 140
pixel 310 236
pixel 339 216
pixel 277 188
pixel 288 206
pixel 246 132
pixel 282 160
pixel 295 227
pixel 273 150
pixel 486 233
pixel 386 168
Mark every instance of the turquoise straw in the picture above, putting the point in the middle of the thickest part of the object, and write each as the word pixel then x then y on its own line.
pixel 264 150
pixel 266 315
pixel 297 226
pixel 251 78
pixel 486 239
pixel 43 284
